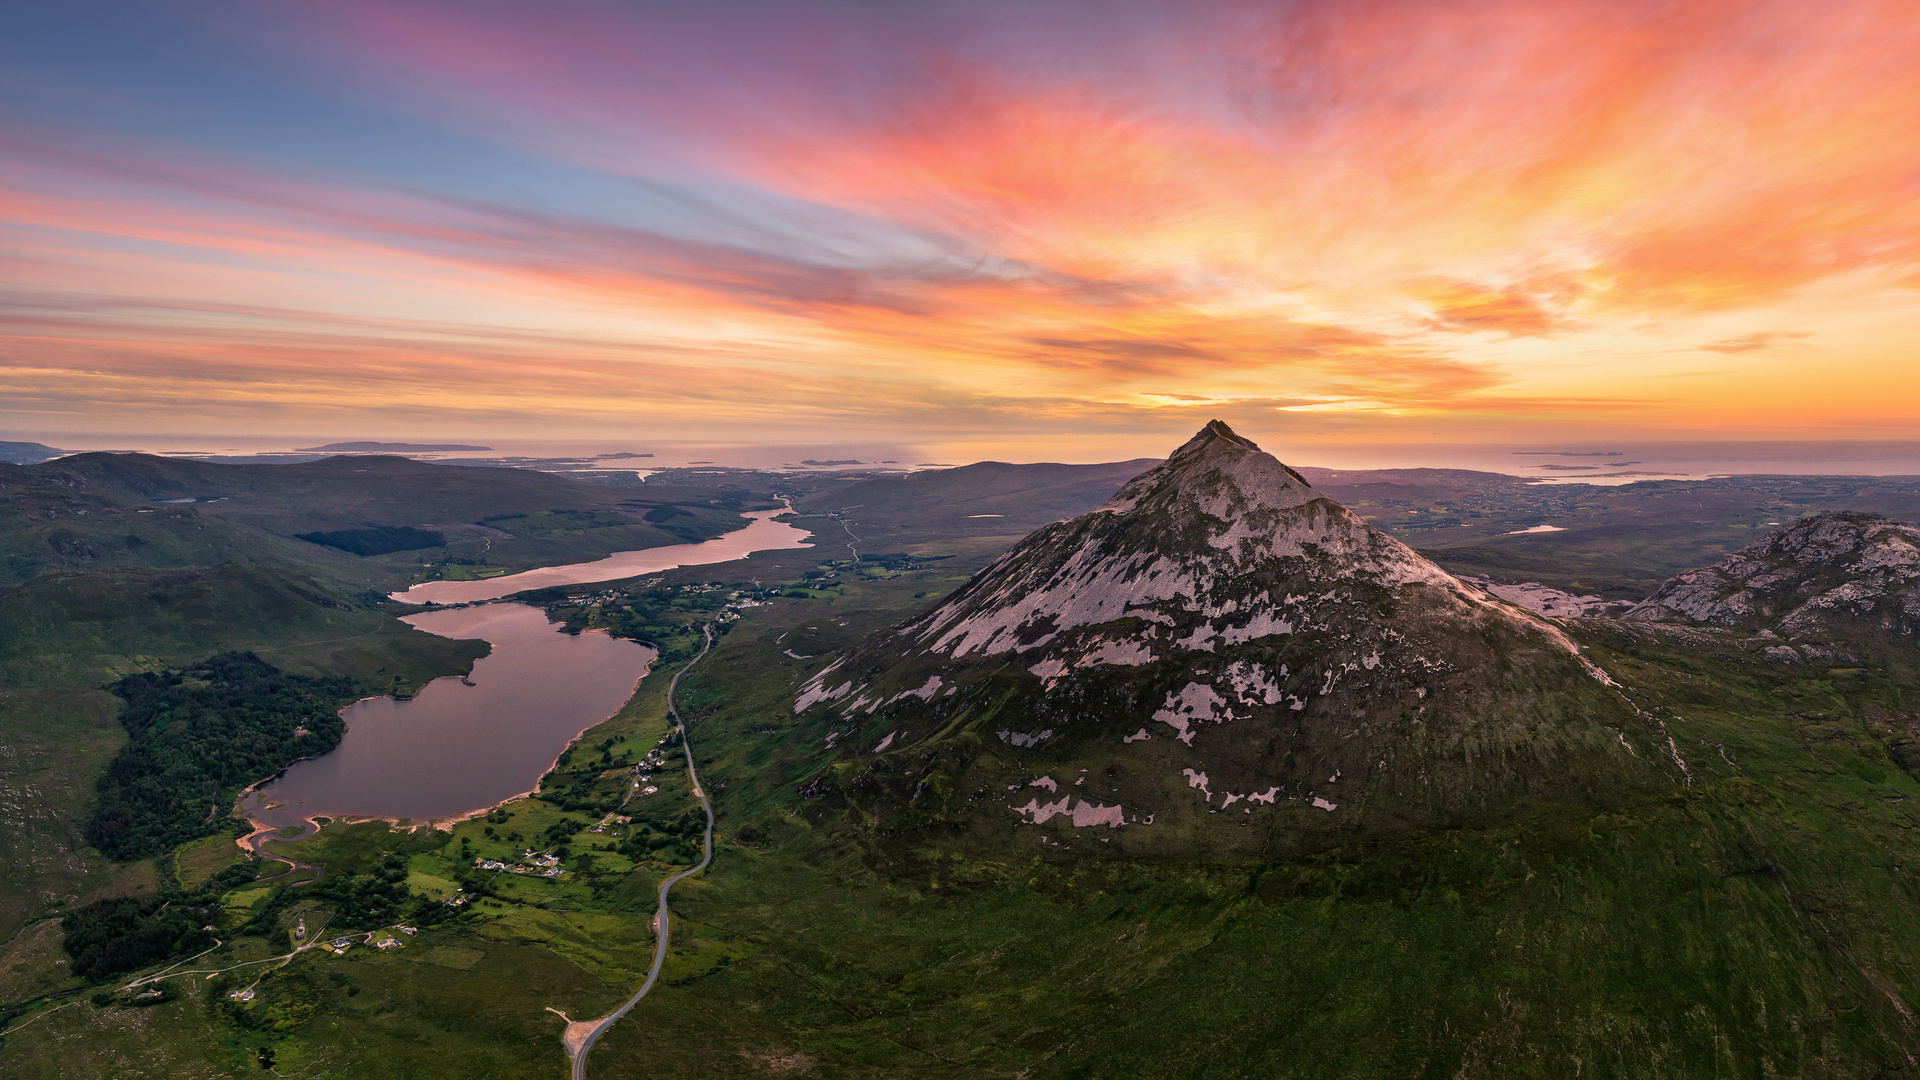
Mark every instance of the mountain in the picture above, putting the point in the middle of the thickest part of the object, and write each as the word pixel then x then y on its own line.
pixel 1219 637
pixel 987 498
pixel 1836 575
pixel 97 511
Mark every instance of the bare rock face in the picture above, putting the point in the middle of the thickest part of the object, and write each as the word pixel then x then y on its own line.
pixel 1219 639
pixel 1192 548
pixel 1829 574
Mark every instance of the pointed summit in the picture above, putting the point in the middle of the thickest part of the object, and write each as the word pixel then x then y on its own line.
pixel 1187 540
pixel 1219 634
pixel 1217 429
pixel 1259 476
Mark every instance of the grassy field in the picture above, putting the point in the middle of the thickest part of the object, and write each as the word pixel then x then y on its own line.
pixel 1759 920
pixel 1753 923
pixel 1756 922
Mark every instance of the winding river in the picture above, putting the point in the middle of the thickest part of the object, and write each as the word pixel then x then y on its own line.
pixel 460 745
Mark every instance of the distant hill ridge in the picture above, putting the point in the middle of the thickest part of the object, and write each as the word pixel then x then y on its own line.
pixel 387 448
pixel 26 453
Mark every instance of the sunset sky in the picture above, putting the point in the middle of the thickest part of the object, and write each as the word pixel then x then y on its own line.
pixel 1504 221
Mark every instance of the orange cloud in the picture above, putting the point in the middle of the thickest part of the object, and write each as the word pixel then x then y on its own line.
pixel 1477 208
pixel 1459 305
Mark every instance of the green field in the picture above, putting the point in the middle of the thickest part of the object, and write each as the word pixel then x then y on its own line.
pixel 1760 920
pixel 1754 923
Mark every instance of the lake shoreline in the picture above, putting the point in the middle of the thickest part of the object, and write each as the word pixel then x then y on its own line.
pixel 761 533
pixel 407 761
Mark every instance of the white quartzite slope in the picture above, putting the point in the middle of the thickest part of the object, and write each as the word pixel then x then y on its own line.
pixel 1219 512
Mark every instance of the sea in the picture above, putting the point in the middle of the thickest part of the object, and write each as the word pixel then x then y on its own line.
pixel 1600 461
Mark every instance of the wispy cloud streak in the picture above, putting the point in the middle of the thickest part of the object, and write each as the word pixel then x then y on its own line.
pixel 1489 211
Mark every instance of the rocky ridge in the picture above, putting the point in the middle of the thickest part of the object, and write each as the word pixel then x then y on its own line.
pixel 1220 637
pixel 1831 574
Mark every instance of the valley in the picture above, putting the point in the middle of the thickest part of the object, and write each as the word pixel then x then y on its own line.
pixel 1695 870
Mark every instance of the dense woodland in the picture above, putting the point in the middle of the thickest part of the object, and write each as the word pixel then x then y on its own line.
pixel 128 932
pixel 197 737
pixel 376 541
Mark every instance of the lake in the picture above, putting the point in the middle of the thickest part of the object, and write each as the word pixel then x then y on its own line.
pixel 761 534
pixel 455 749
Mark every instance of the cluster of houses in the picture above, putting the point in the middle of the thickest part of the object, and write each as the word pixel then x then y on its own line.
pixel 611 819
pixel 642 773
pixel 338 946
pixel 375 938
pixel 533 863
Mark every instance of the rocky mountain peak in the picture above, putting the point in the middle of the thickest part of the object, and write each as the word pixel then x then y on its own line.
pixel 1827 573
pixel 1220 634
pixel 1221 541
pixel 1216 462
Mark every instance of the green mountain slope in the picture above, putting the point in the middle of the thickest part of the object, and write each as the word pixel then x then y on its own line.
pixel 95 511
pixel 1756 917
pixel 1729 893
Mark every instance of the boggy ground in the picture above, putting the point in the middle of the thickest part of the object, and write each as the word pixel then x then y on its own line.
pixel 1758 921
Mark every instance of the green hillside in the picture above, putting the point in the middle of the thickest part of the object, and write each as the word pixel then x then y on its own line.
pixel 1752 914
pixel 104 572
pixel 96 511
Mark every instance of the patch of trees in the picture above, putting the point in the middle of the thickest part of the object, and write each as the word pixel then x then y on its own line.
pixel 583 790
pixel 376 541
pixel 377 898
pixel 676 841
pixel 124 933
pixel 197 737
pixel 367 900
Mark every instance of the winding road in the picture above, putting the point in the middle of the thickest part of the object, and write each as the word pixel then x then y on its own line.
pixel 581 1035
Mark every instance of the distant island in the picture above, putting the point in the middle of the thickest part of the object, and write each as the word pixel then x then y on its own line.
pixel 393 447
pixel 618 457
pixel 836 461
pixel 26 453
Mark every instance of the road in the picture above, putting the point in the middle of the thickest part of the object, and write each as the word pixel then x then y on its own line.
pixel 599 1027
